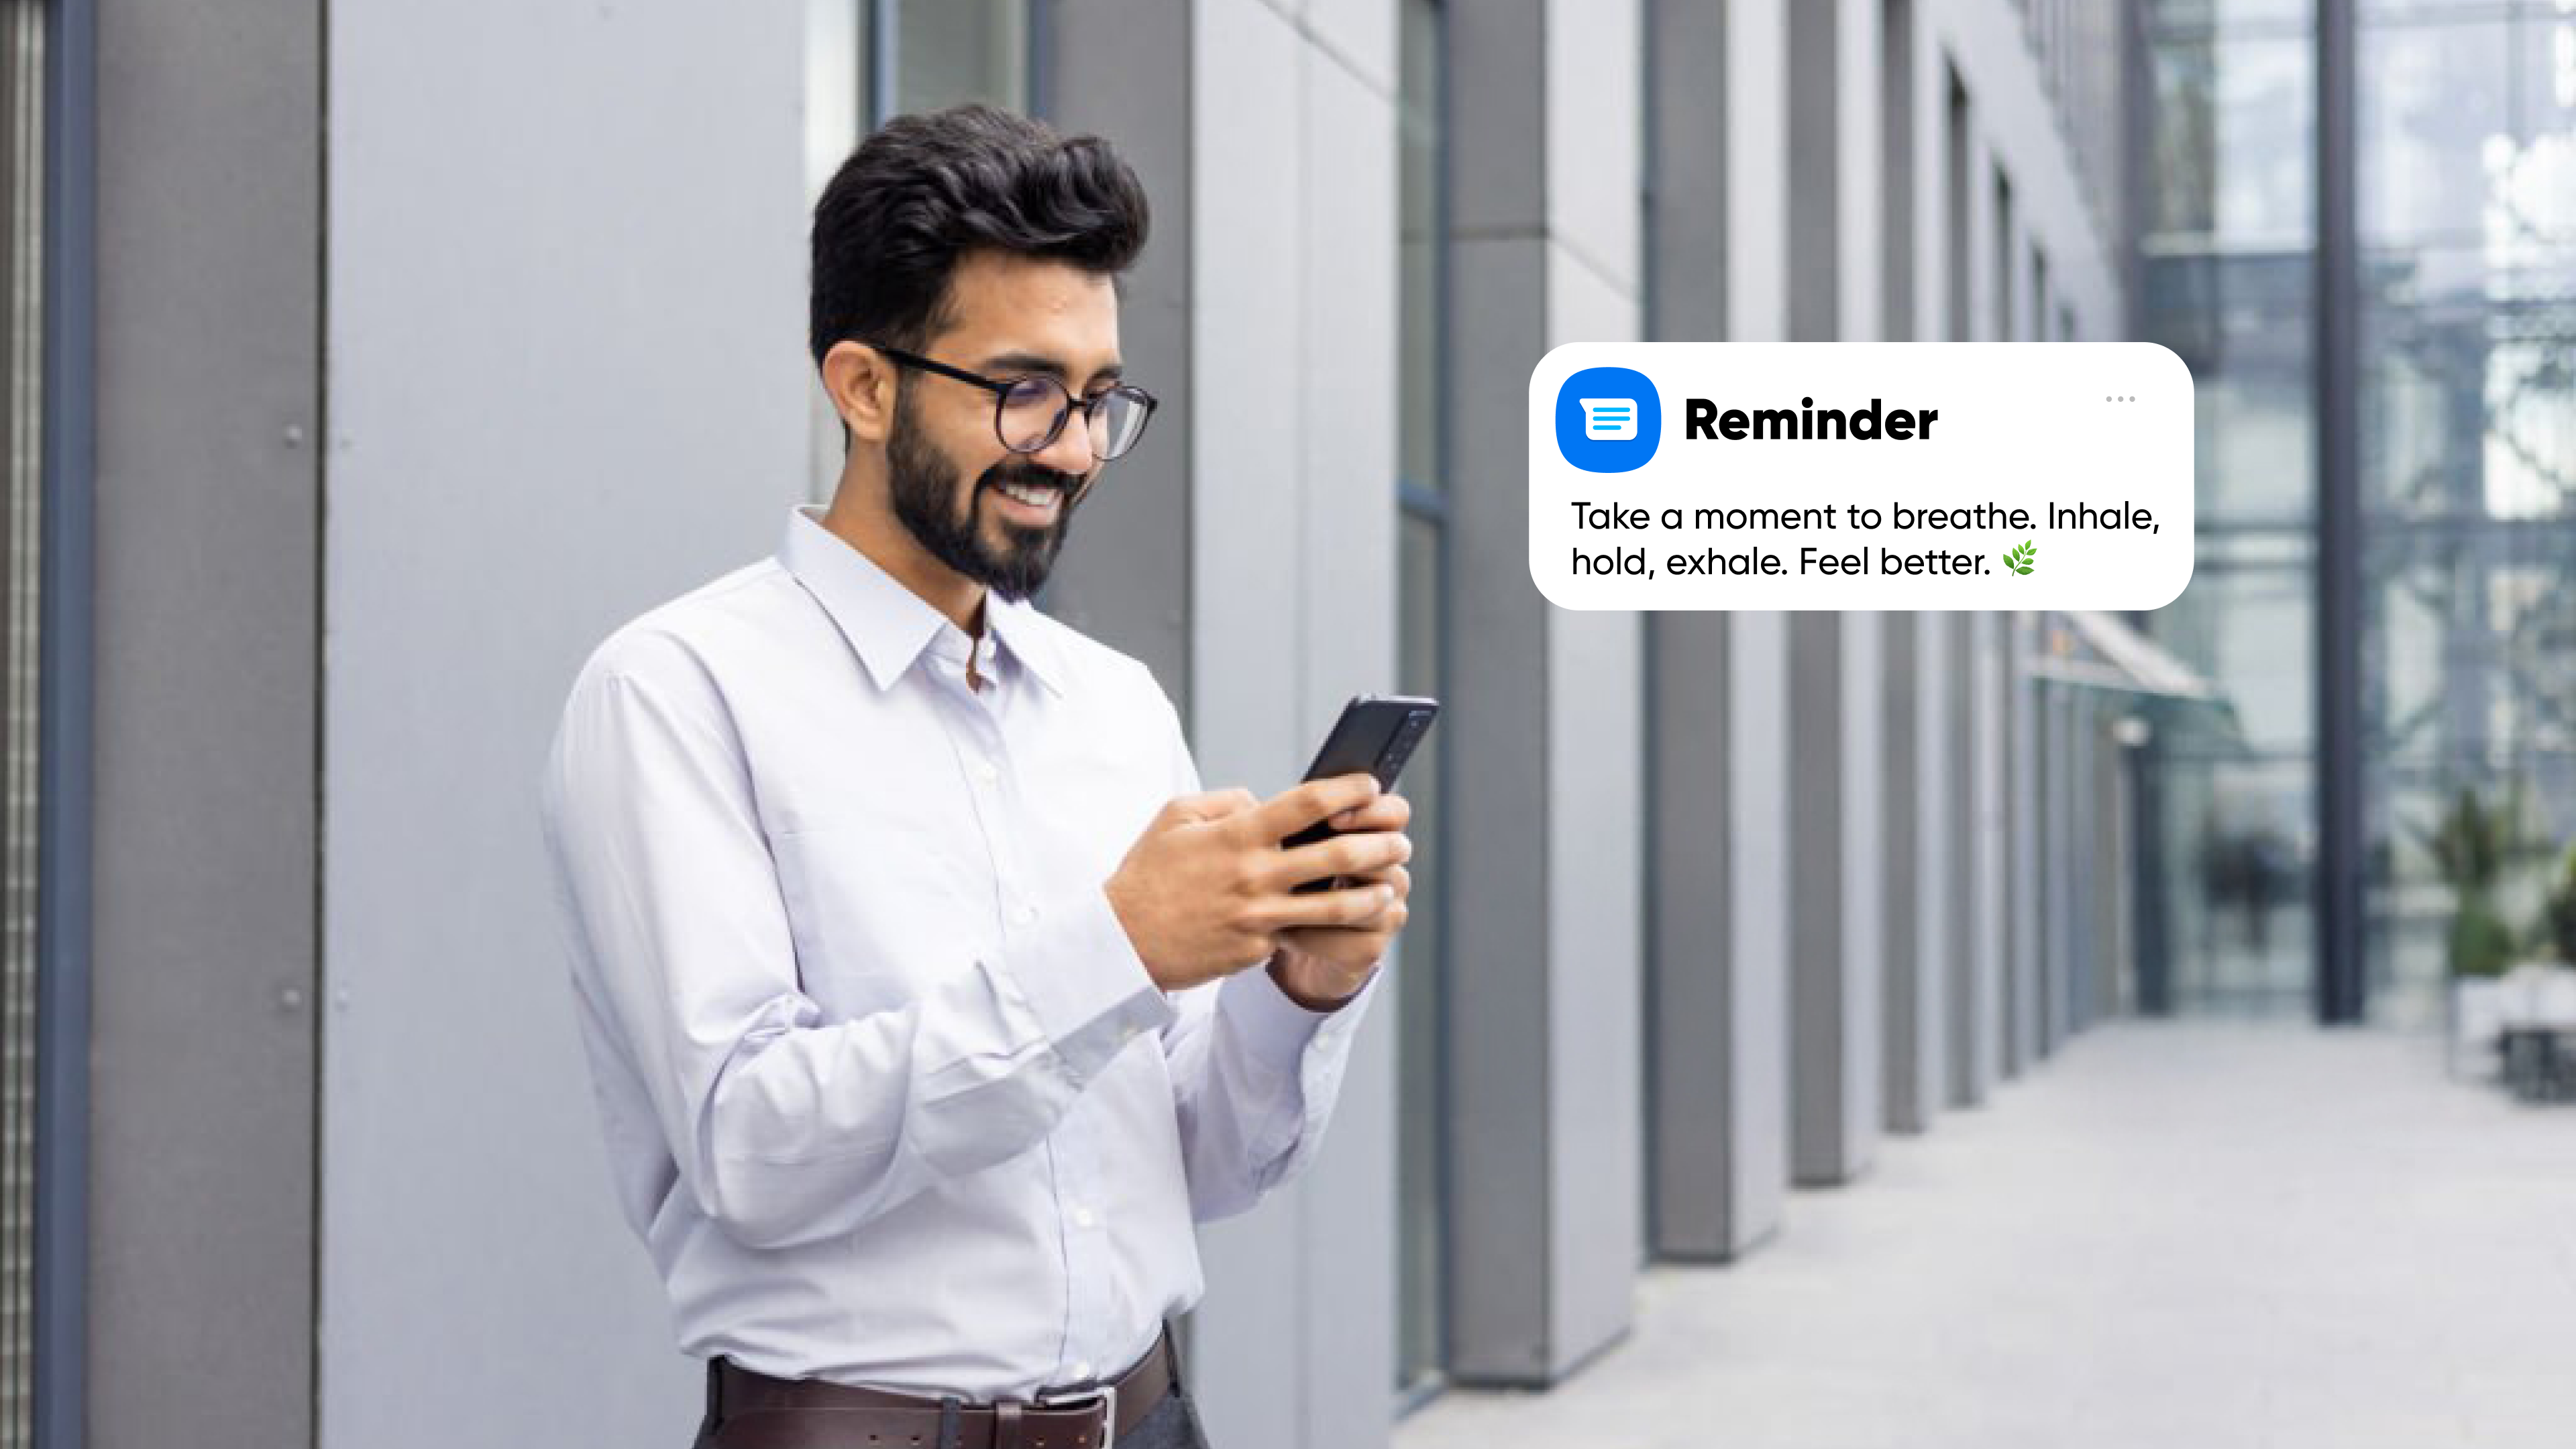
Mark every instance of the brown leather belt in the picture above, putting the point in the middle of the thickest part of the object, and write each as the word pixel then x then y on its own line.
pixel 750 1410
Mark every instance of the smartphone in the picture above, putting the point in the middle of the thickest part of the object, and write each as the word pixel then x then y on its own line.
pixel 1376 733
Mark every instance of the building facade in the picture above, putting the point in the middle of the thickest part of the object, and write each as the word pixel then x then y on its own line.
pixel 427 344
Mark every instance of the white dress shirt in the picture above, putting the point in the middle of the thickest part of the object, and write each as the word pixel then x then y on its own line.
pixel 888 1093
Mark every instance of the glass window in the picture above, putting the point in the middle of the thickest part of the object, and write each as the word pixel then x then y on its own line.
pixel 2466 167
pixel 2240 839
pixel 2234 141
pixel 946 52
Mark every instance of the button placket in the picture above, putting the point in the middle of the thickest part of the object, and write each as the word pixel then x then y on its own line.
pixel 1075 1158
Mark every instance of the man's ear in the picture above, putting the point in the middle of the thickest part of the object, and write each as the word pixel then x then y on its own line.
pixel 860 382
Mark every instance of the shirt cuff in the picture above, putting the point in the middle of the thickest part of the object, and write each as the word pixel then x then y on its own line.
pixel 1271 1026
pixel 1075 971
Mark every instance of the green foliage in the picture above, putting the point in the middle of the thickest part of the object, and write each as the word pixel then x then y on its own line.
pixel 2019 559
pixel 2557 931
pixel 2470 846
pixel 2481 943
pixel 2471 841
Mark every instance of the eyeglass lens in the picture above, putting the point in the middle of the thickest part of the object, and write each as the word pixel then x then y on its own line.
pixel 1034 410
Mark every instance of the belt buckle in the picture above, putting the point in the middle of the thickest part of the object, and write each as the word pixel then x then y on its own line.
pixel 1107 1393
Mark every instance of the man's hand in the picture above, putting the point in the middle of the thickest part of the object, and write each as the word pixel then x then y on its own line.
pixel 1322 967
pixel 1206 891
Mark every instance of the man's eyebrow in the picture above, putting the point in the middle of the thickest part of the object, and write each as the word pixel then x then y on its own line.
pixel 1026 362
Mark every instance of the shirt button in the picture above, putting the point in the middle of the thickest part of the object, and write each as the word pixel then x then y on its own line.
pixel 1025 914
pixel 985 772
pixel 1083 1218
pixel 1082 1371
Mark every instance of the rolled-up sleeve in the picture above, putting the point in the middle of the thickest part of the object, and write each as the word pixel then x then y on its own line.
pixel 786 1128
pixel 1255 1075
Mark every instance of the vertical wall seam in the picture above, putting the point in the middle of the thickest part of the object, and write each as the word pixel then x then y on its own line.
pixel 320 444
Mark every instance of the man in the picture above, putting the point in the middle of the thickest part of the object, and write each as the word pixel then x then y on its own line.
pixel 914 968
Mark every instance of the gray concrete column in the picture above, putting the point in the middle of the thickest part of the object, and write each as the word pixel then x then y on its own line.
pixel 1290 581
pixel 204 951
pixel 1836 912
pixel 1718 1018
pixel 2023 774
pixel 1990 854
pixel 1546 739
pixel 1717 1100
pixel 1969 1045
pixel 1919 888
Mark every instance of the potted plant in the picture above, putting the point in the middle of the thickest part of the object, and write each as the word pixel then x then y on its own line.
pixel 2469 846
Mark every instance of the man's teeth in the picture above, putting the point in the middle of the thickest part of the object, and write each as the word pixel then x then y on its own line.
pixel 1036 496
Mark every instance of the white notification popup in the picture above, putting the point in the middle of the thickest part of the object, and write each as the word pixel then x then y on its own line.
pixel 1861 475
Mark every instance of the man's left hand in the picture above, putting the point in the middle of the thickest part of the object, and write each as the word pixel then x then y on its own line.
pixel 1322 967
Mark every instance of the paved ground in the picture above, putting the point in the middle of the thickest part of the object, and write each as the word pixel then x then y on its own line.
pixel 2189 1236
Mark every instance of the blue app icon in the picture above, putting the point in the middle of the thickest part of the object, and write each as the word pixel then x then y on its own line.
pixel 1608 420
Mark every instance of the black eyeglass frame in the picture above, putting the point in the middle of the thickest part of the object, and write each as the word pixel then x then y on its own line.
pixel 1067 403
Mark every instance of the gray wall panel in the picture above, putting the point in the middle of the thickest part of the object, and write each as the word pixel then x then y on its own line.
pixel 1348 616
pixel 1293 610
pixel 568 381
pixel 204 960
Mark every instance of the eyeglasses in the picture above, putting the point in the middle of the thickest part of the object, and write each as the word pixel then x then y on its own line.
pixel 1028 412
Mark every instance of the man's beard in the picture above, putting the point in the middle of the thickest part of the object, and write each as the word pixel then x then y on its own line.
pixel 922 485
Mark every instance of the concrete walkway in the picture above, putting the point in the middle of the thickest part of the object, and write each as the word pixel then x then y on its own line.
pixel 2179 1236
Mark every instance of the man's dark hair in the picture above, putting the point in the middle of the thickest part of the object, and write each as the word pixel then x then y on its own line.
pixel 925 190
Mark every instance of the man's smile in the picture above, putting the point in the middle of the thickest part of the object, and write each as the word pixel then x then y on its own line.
pixel 1034 504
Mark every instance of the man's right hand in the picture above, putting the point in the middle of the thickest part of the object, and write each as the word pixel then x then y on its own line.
pixel 1205 891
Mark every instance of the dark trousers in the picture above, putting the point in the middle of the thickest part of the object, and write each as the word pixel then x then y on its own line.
pixel 1173 1424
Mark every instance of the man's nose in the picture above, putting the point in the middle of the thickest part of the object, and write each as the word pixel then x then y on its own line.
pixel 1070 453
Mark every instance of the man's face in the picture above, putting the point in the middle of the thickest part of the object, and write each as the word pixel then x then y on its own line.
pixel 992 515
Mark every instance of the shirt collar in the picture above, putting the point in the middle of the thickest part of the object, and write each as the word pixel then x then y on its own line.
pixel 889 625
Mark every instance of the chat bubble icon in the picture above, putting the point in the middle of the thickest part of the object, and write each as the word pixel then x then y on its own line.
pixel 1609 419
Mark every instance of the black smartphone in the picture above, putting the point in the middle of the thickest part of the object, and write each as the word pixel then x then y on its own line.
pixel 1376 733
